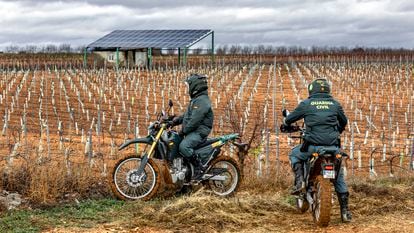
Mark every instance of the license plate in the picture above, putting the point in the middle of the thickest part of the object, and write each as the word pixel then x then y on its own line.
pixel 329 174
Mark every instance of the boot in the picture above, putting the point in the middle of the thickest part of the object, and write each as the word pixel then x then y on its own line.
pixel 298 186
pixel 198 174
pixel 198 170
pixel 346 215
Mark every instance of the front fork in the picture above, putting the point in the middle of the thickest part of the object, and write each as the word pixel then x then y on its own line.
pixel 144 159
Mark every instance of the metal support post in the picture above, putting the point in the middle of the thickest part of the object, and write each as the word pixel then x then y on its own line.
pixel 85 58
pixel 185 57
pixel 117 59
pixel 179 56
pixel 149 58
pixel 212 47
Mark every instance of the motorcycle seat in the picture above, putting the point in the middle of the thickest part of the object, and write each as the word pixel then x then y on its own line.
pixel 206 143
pixel 328 150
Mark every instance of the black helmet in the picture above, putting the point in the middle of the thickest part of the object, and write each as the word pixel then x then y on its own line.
pixel 319 85
pixel 196 84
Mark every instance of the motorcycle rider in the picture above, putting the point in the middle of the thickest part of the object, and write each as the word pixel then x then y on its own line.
pixel 325 120
pixel 197 121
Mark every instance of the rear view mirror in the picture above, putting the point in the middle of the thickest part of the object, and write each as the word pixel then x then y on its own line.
pixel 285 112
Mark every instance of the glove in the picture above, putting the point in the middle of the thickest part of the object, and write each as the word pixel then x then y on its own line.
pixel 170 121
pixel 170 118
pixel 285 112
pixel 175 120
pixel 284 128
pixel 170 124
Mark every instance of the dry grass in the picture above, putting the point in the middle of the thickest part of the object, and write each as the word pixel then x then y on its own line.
pixel 269 181
pixel 272 211
pixel 207 213
pixel 261 205
pixel 50 183
pixel 267 212
pixel 383 196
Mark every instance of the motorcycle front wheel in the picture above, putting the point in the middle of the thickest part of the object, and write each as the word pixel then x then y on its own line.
pixel 127 184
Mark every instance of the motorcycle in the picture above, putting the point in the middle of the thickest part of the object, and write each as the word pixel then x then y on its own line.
pixel 320 170
pixel 159 163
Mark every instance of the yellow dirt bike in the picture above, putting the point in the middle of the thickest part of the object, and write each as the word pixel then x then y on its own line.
pixel 159 163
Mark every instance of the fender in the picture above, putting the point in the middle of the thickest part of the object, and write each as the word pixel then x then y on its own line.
pixel 147 140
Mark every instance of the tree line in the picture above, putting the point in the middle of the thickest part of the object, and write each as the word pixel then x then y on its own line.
pixel 299 50
pixel 47 48
pixel 232 49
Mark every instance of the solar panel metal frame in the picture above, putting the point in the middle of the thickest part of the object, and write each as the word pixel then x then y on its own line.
pixel 136 39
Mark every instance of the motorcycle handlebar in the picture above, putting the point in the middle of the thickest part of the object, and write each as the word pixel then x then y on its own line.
pixel 290 128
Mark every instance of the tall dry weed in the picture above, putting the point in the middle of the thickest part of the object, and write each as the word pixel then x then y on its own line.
pixel 50 182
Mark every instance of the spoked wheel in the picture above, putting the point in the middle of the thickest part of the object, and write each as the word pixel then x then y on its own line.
pixel 302 205
pixel 323 203
pixel 127 184
pixel 229 170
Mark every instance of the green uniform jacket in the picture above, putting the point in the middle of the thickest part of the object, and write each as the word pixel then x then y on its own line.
pixel 199 115
pixel 324 119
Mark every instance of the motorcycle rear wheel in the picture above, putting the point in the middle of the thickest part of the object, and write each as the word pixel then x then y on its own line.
pixel 233 177
pixel 322 201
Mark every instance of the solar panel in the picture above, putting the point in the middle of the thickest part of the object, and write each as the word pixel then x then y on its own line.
pixel 168 39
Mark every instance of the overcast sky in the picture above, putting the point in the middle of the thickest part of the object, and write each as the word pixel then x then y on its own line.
pixel 381 23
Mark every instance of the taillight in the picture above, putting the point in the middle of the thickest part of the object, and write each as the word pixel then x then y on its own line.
pixel 329 167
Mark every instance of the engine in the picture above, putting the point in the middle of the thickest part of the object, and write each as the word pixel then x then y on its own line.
pixel 178 170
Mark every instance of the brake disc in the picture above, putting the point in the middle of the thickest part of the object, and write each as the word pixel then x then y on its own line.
pixel 135 180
